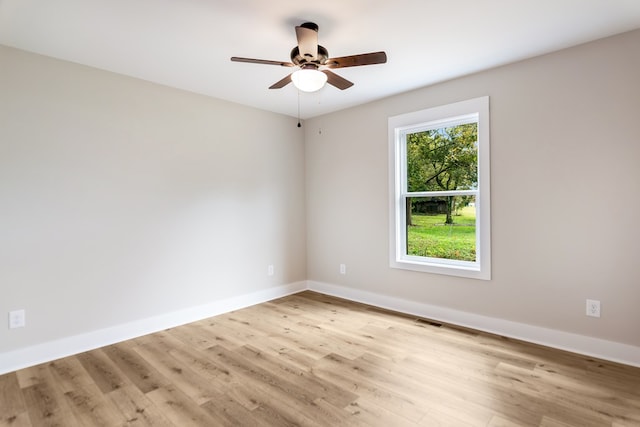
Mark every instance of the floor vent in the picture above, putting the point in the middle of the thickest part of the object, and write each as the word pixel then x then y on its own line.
pixel 429 322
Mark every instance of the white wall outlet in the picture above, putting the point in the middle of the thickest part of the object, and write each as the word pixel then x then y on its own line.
pixel 593 308
pixel 343 269
pixel 17 319
pixel 270 270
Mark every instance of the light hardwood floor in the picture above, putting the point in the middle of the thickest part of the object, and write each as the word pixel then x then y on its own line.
pixel 313 360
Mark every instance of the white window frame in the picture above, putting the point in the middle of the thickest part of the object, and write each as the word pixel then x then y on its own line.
pixel 432 118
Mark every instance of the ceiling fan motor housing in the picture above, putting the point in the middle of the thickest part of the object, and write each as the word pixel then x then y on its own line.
pixel 300 60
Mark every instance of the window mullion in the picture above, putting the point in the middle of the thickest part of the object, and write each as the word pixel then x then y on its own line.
pixel 441 193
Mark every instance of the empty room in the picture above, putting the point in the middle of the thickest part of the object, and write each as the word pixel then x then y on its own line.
pixel 342 213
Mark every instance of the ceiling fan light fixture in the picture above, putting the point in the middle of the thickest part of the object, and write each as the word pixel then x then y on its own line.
pixel 309 79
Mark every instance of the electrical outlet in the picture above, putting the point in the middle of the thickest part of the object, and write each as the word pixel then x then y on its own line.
pixel 16 319
pixel 343 269
pixel 270 270
pixel 593 308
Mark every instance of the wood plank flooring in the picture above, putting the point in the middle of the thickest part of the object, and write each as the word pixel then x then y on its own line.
pixel 314 360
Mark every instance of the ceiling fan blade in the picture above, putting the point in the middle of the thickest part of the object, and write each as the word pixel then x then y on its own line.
pixel 281 83
pixel 337 81
pixel 307 35
pixel 357 60
pixel 262 61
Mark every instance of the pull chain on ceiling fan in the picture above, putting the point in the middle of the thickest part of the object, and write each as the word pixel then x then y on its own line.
pixel 314 64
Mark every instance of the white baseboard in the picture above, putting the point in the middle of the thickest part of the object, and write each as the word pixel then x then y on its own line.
pixel 48 351
pixel 589 346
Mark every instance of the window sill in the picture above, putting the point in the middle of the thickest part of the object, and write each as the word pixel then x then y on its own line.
pixel 460 268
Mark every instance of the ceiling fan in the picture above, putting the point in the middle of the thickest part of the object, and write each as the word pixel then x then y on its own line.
pixel 314 64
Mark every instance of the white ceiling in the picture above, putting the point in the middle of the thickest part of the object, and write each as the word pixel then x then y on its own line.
pixel 187 43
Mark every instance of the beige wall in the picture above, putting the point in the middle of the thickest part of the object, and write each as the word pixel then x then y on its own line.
pixel 121 199
pixel 565 148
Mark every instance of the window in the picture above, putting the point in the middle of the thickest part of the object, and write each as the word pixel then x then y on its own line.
pixel 439 185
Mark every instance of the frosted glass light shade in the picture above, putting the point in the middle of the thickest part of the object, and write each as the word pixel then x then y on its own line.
pixel 309 80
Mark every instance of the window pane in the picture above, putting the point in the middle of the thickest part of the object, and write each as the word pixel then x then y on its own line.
pixel 442 227
pixel 443 159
